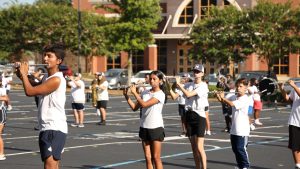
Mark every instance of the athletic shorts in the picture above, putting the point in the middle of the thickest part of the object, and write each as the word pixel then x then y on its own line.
pixel 294 138
pixel 2 115
pixel 102 104
pixel 77 106
pixel 157 134
pixel 257 105
pixel 51 143
pixel 181 110
pixel 195 124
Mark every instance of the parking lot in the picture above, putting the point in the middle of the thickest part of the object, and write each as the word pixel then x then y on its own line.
pixel 117 145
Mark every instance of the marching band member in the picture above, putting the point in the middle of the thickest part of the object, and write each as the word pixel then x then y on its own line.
pixel 51 110
pixel 196 102
pixel 240 129
pixel 151 122
pixel 294 120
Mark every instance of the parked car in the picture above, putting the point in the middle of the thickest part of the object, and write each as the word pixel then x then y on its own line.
pixel 259 75
pixel 212 79
pixel 288 88
pixel 63 68
pixel 139 77
pixel 116 78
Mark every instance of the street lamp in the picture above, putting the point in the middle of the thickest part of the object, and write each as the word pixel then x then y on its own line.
pixel 79 37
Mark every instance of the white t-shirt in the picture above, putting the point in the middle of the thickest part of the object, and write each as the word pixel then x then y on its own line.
pixel 294 118
pixel 2 93
pixel 198 102
pixel 5 82
pixel 152 116
pixel 181 97
pixel 254 93
pixel 51 109
pixel 240 120
pixel 77 93
pixel 102 94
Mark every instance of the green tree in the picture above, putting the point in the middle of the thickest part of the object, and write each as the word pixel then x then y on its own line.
pixel 217 38
pixel 132 31
pixel 269 28
pixel 30 27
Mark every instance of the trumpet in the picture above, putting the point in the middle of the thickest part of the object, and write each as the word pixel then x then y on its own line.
pixel 15 65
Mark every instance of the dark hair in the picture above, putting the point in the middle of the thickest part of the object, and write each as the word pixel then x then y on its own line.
pixel 243 81
pixel 162 86
pixel 57 48
pixel 252 81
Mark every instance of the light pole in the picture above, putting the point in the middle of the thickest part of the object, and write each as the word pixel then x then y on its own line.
pixel 79 37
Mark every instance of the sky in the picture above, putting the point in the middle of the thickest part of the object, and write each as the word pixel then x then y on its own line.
pixel 5 3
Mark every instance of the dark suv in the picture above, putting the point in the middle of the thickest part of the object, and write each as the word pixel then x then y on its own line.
pixel 259 75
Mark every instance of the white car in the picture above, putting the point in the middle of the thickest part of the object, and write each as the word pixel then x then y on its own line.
pixel 139 77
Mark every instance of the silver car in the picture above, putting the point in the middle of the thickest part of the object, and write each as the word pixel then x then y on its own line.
pixel 116 78
pixel 288 88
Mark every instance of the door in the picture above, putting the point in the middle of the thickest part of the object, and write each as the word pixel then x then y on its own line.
pixel 184 64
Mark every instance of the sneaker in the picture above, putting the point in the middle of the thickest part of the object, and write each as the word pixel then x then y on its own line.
pixel 252 127
pixel 183 134
pixel 2 157
pixel 9 107
pixel 36 128
pixel 102 123
pixel 208 132
pixel 80 125
pixel 74 125
pixel 257 122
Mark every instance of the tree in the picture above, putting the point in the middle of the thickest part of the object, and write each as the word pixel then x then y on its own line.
pixel 269 28
pixel 132 31
pixel 217 37
pixel 45 23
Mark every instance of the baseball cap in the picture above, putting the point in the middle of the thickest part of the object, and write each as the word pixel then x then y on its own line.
pixel 199 67
pixel 99 73
pixel 185 75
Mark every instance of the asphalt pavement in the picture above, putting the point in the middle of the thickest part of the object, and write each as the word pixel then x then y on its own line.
pixel 117 146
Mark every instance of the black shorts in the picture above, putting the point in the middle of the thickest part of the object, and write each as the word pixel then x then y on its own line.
pixel 77 106
pixel 102 104
pixel 181 110
pixel 2 115
pixel 51 143
pixel 294 138
pixel 195 124
pixel 157 134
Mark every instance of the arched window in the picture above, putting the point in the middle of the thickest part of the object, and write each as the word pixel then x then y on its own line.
pixel 186 16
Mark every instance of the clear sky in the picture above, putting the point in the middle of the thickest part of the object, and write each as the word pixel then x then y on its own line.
pixel 5 3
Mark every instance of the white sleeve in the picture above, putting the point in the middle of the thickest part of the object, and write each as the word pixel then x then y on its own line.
pixel 160 96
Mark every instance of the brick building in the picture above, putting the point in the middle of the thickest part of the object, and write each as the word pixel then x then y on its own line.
pixel 170 51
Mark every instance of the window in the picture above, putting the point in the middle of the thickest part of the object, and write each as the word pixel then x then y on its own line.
pixel 226 2
pixel 281 66
pixel 162 55
pixel 113 62
pixel 186 16
pixel 205 7
pixel 137 61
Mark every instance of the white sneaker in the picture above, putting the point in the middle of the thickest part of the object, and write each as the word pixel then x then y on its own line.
pixel 257 122
pixel 80 125
pixel 2 157
pixel 74 125
pixel 208 132
pixel 9 107
pixel 252 127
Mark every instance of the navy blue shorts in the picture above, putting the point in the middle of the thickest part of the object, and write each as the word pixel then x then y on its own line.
pixel 102 104
pixel 2 115
pixel 51 143
pixel 157 134
pixel 77 106
pixel 195 124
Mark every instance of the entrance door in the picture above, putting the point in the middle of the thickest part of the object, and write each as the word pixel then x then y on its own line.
pixel 184 64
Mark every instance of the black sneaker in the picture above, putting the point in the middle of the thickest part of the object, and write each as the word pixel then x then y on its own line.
pixel 102 123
